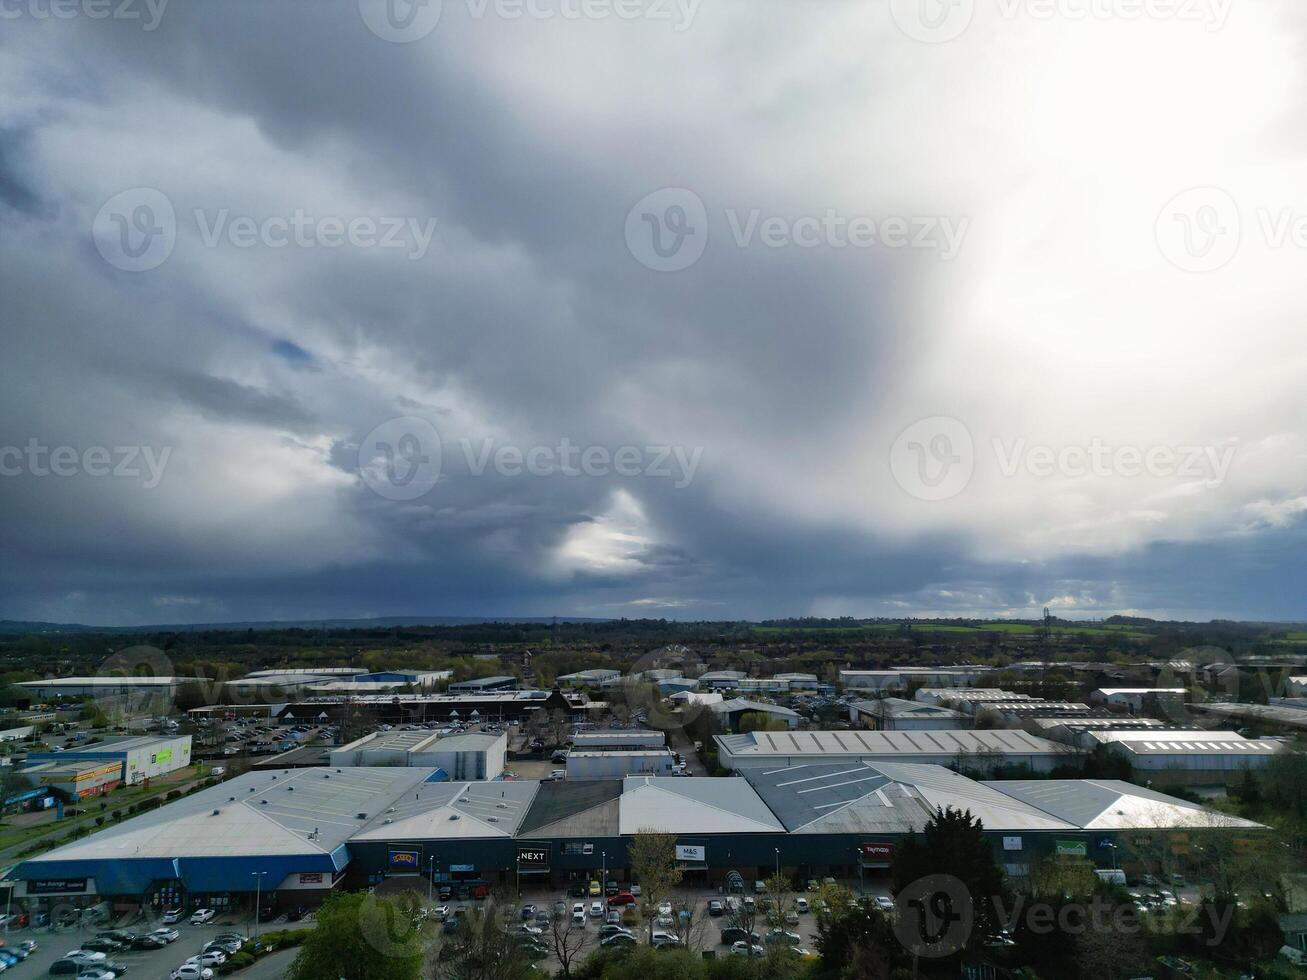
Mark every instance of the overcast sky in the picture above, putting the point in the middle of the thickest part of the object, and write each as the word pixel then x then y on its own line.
pixel 663 308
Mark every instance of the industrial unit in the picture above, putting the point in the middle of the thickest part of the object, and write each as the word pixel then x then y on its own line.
pixel 1189 758
pixel 898 714
pixel 475 755
pixel 137 757
pixel 978 750
pixel 299 834
pixel 618 763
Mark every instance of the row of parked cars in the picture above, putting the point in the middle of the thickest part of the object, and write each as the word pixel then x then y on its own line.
pixel 92 960
pixel 13 955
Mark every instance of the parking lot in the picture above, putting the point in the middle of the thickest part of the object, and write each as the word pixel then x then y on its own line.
pixel 703 931
pixel 156 964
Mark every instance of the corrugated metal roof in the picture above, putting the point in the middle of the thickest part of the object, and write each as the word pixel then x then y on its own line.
pixel 687 805
pixel 1109 804
pixel 902 743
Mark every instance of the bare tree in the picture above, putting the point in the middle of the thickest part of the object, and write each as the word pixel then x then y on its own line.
pixel 482 948
pixel 778 892
pixel 653 860
pixel 568 941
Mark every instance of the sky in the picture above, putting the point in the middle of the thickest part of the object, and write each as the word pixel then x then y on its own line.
pixel 696 309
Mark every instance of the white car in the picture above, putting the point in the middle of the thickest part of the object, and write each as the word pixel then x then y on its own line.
pixel 96 973
pixel 201 916
pixel 664 908
pixel 189 971
pixel 85 957
pixel 578 913
pixel 741 948
pixel 441 912
pixel 171 916
pixel 211 958
pixel 166 935
pixel 663 939
pixel 218 771
pixel 884 903
pixel 596 910
pixel 801 905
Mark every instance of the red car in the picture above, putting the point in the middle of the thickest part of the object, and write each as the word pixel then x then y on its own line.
pixel 622 898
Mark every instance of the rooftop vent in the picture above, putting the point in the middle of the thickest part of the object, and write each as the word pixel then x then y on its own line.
pixel 216 812
pixel 362 816
pixel 453 816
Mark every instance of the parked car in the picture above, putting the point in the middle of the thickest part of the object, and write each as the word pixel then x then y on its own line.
pixel 167 935
pixel 96 973
pixel 578 913
pixel 86 957
pixel 596 910
pixel 172 916
pixel 148 942
pixel 618 939
pixel 201 916
pixel 884 903
pixel 65 966
pixel 801 904
pixel 211 958
pixel 741 948
pixel 189 971
pixel 734 934
pixel 661 939
pixel 613 930
pixel 614 917
pixel 102 945
pixel 622 898
pixel 595 890
pixel 528 912
pixel 715 907
pixel 782 936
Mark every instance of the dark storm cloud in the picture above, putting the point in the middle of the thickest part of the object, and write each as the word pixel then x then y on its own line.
pixel 264 369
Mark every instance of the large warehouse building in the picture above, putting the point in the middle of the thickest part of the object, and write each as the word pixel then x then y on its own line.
pixel 475 755
pixel 297 835
pixel 979 750
pixel 138 757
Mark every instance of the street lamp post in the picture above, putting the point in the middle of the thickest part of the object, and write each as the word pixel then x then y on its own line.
pixel 258 894
pixel 431 877
pixel 603 871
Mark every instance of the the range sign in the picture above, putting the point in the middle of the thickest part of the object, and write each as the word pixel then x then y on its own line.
pixel 56 886
pixel 878 852
pixel 404 859
pixel 691 852
pixel 537 856
pixel 311 878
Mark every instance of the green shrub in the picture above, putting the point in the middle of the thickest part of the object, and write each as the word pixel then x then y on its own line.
pixel 237 961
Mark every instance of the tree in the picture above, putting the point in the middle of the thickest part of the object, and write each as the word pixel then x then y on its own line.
pixel 954 844
pixel 353 928
pixel 845 935
pixel 483 948
pixel 761 721
pixel 653 861
pixel 568 941
pixel 778 890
